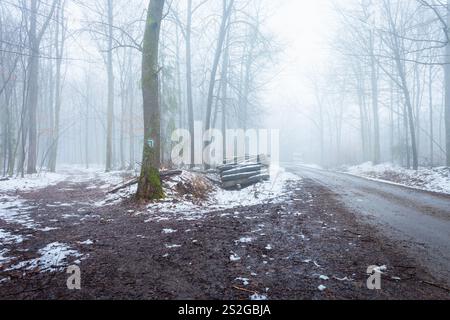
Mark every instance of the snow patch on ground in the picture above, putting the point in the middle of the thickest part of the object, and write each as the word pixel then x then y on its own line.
pixel 9 238
pixel 245 281
pixel 172 246
pixel 436 179
pixel 14 211
pixel 234 258
pixel 87 242
pixel 268 191
pixel 53 257
pixel 32 182
pixel 72 173
pixel 245 240
pixel 258 297
pixel 321 288
pixel 187 208
pixel 3 258
pixel 190 195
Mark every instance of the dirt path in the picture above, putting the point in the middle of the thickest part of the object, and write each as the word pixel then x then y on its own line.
pixel 279 251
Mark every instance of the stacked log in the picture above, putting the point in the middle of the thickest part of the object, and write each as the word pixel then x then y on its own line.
pixel 238 176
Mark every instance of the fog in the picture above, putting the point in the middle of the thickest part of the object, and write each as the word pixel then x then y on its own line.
pixel 345 82
pixel 224 149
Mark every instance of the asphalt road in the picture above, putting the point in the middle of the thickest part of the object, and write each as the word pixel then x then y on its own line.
pixel 419 220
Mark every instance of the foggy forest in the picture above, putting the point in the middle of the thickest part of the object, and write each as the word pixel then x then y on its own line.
pixel 224 149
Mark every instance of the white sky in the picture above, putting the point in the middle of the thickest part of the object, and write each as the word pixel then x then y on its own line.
pixel 303 27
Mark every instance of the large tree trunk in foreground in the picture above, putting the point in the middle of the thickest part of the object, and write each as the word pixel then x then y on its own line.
pixel 149 187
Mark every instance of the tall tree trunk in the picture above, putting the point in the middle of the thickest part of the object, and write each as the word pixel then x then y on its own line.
pixel 398 47
pixel 248 69
pixel 131 116
pixel 375 111
pixel 391 121
pixel 224 94
pixel 122 129
pixel 430 97
pixel 178 80
pixel 110 72
pixel 190 102
pixel 149 187
pixel 406 128
pixel 410 115
pixel 447 88
pixel 59 45
pixel 35 38
pixel 32 92
pixel 86 134
pixel 227 6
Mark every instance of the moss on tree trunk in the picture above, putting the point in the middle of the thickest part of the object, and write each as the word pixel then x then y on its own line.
pixel 149 187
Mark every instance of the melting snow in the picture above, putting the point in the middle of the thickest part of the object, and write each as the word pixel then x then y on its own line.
pixel 245 240
pixel 14 211
pixel 185 209
pixel 245 281
pixel 3 257
pixel 47 229
pixel 436 179
pixel 262 192
pixel 321 287
pixel 380 269
pixel 32 182
pixel 9 238
pixel 234 258
pixel 87 242
pixel 258 297
pixel 53 257
pixel 172 246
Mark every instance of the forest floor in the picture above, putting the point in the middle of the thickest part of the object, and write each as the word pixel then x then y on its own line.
pixel 305 246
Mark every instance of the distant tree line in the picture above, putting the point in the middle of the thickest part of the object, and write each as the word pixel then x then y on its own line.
pixel 390 77
pixel 72 74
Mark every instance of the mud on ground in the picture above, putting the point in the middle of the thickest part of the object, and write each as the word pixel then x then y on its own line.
pixel 275 250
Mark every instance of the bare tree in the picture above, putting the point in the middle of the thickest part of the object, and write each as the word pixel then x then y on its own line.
pixel 35 37
pixel 60 37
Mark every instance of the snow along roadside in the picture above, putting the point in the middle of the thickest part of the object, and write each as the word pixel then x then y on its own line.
pixel 432 180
